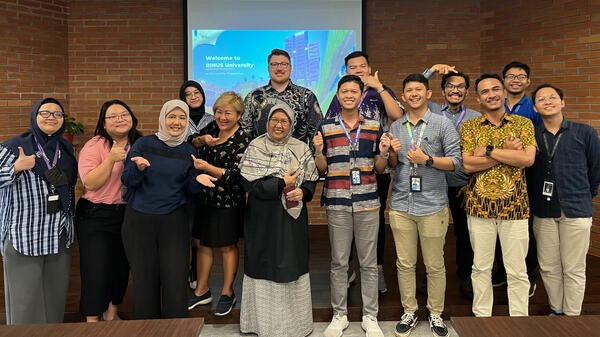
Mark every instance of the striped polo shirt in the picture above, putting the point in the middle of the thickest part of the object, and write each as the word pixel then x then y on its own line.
pixel 339 193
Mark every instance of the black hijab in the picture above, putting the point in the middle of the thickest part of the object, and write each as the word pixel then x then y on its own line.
pixel 66 161
pixel 196 114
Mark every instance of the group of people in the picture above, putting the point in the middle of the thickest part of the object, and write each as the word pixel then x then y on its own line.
pixel 249 169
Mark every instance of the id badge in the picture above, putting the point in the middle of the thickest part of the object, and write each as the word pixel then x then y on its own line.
pixel 548 188
pixel 52 203
pixel 415 183
pixel 355 176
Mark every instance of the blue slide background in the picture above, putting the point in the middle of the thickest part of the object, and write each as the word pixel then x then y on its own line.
pixel 236 60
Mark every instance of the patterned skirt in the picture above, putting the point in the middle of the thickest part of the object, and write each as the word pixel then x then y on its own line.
pixel 271 309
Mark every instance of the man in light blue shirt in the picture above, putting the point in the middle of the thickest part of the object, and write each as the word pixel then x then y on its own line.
pixel 425 145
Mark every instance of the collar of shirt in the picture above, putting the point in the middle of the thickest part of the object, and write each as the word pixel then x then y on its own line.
pixel 425 118
pixel 446 107
pixel 361 119
pixel 506 118
pixel 287 87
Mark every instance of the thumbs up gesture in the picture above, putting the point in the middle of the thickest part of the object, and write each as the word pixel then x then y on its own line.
pixel 24 162
pixel 117 152
pixel 318 142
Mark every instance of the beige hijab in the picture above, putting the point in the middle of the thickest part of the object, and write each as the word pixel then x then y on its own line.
pixel 163 133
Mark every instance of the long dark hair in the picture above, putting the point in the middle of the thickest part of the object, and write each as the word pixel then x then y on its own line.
pixel 133 134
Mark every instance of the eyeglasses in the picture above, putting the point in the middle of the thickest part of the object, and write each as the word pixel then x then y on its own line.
pixel 46 114
pixel 283 122
pixel 451 86
pixel 520 77
pixel 192 93
pixel 280 64
pixel 125 115
pixel 542 99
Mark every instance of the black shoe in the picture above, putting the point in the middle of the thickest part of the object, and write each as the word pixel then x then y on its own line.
pixel 194 300
pixel 225 305
pixel 466 287
pixel 498 279
pixel 422 287
pixel 406 325
pixel 532 288
pixel 438 328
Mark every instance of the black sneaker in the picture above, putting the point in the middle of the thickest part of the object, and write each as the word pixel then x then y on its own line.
pixel 532 287
pixel 498 279
pixel 438 328
pixel 225 305
pixel 406 325
pixel 195 301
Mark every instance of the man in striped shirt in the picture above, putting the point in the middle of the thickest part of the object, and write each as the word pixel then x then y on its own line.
pixel 350 148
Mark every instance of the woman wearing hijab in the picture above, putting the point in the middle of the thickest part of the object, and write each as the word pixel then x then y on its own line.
pixel 100 210
pixel 160 176
pixel 192 94
pixel 280 177
pixel 38 173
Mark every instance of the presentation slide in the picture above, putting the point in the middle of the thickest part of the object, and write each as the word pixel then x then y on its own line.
pixel 228 42
pixel 233 60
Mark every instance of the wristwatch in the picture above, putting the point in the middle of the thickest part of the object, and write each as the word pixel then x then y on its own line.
pixel 488 150
pixel 429 161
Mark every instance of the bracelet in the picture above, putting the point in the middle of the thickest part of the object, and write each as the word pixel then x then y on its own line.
pixel 386 155
pixel 380 91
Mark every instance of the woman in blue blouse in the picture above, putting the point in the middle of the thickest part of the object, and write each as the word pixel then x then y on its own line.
pixel 160 176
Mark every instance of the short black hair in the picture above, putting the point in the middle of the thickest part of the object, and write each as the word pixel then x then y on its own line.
pixel 486 76
pixel 281 52
pixel 351 78
pixel 355 54
pixel 546 85
pixel 416 78
pixel 458 74
pixel 516 64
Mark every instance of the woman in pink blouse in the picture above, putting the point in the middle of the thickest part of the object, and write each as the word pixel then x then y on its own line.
pixel 104 268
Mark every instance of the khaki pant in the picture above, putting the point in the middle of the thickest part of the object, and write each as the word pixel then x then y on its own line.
pixel 514 240
pixel 562 246
pixel 430 231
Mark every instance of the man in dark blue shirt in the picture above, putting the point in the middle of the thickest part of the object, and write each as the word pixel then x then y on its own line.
pixel 562 182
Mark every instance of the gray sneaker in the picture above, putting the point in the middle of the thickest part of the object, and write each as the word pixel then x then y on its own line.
pixel 406 325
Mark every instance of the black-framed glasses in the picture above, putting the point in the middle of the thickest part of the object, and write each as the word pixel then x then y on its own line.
pixel 46 114
pixel 451 86
pixel 520 77
pixel 279 64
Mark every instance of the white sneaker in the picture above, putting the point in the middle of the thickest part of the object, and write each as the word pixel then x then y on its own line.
pixel 369 324
pixel 336 328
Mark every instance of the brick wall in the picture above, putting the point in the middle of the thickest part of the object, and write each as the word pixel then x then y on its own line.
pixel 86 52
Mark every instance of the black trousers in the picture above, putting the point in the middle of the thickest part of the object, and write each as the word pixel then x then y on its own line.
pixel 103 265
pixel 464 251
pixel 158 248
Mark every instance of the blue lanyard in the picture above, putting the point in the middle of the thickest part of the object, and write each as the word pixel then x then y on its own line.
pixel 356 138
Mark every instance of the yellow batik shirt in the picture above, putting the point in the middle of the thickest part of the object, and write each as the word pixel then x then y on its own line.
pixel 499 192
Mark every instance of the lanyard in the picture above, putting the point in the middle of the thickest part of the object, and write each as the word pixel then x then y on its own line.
pixel 550 152
pixel 56 154
pixel 412 140
pixel 355 141
pixel 460 117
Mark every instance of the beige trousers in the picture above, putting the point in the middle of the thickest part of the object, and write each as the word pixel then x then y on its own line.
pixel 514 239
pixel 430 231
pixel 562 246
